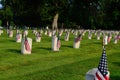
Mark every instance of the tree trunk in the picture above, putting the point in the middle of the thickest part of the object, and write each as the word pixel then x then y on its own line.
pixel 55 21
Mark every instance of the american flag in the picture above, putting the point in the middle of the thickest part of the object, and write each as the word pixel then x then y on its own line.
pixel 66 35
pixel 102 73
pixel 58 42
pixel 118 36
pixel 27 45
pixel 18 36
pixel 109 37
pixel 10 32
pixel 78 38
pixel 38 34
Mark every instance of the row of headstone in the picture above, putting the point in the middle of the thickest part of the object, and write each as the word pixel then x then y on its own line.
pixel 50 33
pixel 1 31
pixel 107 36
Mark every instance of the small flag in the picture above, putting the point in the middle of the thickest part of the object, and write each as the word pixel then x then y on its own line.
pixel 18 36
pixel 118 36
pixel 66 35
pixel 58 42
pixel 10 32
pixel 38 34
pixel 78 38
pixel 27 45
pixel 102 73
pixel 109 38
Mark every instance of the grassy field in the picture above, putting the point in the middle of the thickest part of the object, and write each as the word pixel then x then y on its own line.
pixel 44 64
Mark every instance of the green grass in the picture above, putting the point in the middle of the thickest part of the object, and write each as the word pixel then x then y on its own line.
pixel 44 64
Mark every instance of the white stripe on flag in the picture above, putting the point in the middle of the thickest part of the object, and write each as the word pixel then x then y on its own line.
pixel 100 76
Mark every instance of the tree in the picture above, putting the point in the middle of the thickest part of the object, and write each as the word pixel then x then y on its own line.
pixel 84 12
pixel 92 14
pixel 112 18
pixel 40 12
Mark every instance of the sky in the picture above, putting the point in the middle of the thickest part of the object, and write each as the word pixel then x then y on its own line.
pixel 0 6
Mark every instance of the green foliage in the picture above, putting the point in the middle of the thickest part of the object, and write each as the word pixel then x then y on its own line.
pixel 8 13
pixel 113 14
pixel 0 22
pixel 102 14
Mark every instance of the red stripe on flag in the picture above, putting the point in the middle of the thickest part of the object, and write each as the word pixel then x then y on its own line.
pixel 106 77
pixel 98 77
pixel 77 39
pixel 58 44
pixel 18 37
pixel 108 39
pixel 27 46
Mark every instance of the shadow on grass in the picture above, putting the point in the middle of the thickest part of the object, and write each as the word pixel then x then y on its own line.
pixel 7 41
pixel 115 77
pixel 58 72
pixel 14 51
pixel 44 48
pixel 12 40
pixel 67 46
pixel 116 63
pixel 98 42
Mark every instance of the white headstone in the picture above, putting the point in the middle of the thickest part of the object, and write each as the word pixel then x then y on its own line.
pixel 76 45
pixel 34 32
pixel 17 31
pixel 10 33
pixel 49 33
pixel 26 47
pixel 105 39
pixel 89 35
pixel 98 36
pixel 77 42
pixel 18 38
pixel 45 32
pixel 115 40
pixel 61 32
pixel 83 33
pixel 54 43
pixel 90 75
pixel 76 32
pixel 41 31
pixel 38 37
pixel 67 36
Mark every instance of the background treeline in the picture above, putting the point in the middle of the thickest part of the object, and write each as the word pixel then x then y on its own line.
pixel 88 14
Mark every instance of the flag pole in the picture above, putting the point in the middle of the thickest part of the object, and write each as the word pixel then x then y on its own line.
pixel 103 47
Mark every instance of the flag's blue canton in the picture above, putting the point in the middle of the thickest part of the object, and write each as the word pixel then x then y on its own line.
pixel 103 64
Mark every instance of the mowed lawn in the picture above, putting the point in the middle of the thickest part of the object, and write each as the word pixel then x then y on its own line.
pixel 45 64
